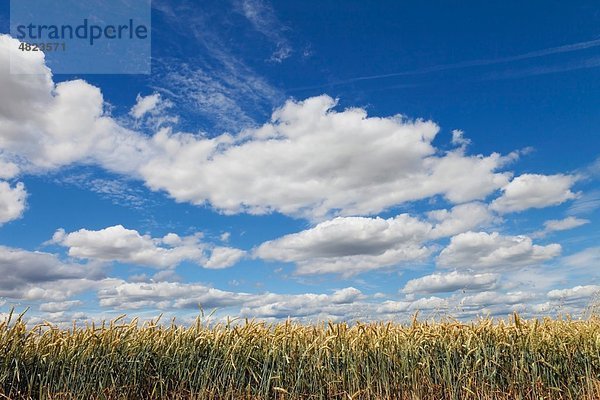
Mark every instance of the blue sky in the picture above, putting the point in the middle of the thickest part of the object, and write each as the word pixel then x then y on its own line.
pixel 307 160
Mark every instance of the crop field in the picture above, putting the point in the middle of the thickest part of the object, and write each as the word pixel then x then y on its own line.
pixel 501 359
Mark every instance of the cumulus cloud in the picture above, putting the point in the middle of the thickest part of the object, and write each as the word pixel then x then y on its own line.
pixel 35 276
pixel 116 243
pixel 458 138
pixel 575 293
pixel 453 281
pixel 345 304
pixel 459 219
pixel 309 160
pixel 313 161
pixel 483 250
pixel 223 257
pixel 170 295
pixel 165 295
pixel 225 236
pixel 391 307
pixel 144 105
pixel 338 305
pixel 30 275
pixel 494 298
pixel 59 306
pixel 12 201
pixel 350 245
pixel 152 112
pixel 555 225
pixel 535 191
pixel 45 126
pixel 8 169
pixel 56 282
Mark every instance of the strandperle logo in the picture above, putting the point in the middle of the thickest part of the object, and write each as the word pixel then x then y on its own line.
pixel 85 30
pixel 85 37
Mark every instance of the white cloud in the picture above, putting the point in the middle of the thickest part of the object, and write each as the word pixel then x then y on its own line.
pixel 588 258
pixel 152 112
pixel 224 257
pixel 165 295
pixel 116 243
pixel 555 225
pixel 262 17
pixel 30 275
pixel 483 250
pixel 337 305
pixel 459 219
pixel 45 126
pixel 37 277
pixel 219 86
pixel 313 161
pixel 53 307
pixel 494 298
pixel 458 138
pixel 8 169
pixel 539 278
pixel 586 203
pixel 342 304
pixel 394 307
pixel 308 161
pixel 119 191
pixel 534 191
pixel 169 295
pixel 144 105
pixel 225 236
pixel 575 293
pixel 12 201
pixel 564 224
pixel 453 281
pixel 352 265
pixel 350 245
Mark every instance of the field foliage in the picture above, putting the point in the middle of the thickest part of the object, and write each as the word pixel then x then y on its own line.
pixel 506 359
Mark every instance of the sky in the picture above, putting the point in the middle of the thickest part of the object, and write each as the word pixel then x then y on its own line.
pixel 313 160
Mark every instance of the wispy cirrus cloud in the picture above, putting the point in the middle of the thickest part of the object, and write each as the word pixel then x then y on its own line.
pixel 225 93
pixel 205 77
pixel 585 63
pixel 563 49
pixel 586 203
pixel 263 18
pixel 118 190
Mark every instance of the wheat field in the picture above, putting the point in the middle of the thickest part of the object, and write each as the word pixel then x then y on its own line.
pixel 502 359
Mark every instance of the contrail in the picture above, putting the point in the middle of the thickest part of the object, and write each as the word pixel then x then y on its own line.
pixel 568 48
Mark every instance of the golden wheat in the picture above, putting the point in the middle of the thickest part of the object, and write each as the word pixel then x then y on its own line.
pixel 512 359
